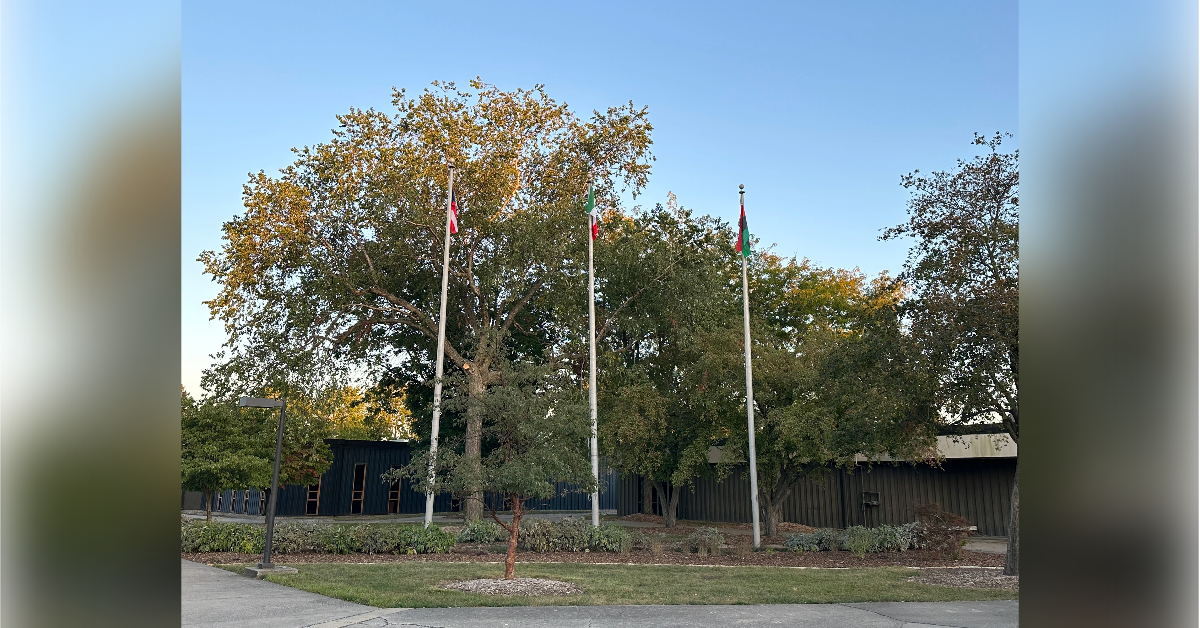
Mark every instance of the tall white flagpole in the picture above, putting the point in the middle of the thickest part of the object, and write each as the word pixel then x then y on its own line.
pixel 592 372
pixel 441 352
pixel 749 375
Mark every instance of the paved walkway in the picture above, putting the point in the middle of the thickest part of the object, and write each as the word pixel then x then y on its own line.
pixel 215 598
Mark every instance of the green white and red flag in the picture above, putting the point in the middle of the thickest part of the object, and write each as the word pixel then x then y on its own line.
pixel 743 241
pixel 593 215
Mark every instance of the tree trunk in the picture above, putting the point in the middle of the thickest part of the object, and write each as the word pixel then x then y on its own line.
pixel 1012 556
pixel 476 388
pixel 510 562
pixel 669 504
pixel 208 506
pixel 774 513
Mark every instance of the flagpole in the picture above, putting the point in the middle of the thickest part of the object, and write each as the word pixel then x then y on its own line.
pixel 441 352
pixel 749 377
pixel 592 370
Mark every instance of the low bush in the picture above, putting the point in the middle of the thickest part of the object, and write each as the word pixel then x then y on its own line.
pixel 572 534
pixel 199 536
pixel 857 539
pixel 482 531
pixel 823 540
pixel 705 541
pixel 941 531
pixel 292 538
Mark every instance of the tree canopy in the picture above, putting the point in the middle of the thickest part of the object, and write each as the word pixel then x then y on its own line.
pixel 336 263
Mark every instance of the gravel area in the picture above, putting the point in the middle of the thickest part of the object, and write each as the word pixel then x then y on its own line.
pixel 516 586
pixel 913 558
pixel 969 578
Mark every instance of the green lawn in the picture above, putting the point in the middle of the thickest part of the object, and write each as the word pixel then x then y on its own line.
pixel 415 584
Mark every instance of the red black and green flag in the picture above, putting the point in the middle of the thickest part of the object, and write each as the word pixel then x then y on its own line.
pixel 743 241
pixel 593 215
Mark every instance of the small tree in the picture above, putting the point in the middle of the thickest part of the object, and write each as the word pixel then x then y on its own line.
pixel 964 267
pixel 538 421
pixel 221 449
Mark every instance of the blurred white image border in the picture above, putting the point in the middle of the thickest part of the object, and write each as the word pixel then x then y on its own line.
pixel 89 300
pixel 1108 117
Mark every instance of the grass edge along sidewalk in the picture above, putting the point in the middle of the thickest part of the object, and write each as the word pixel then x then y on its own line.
pixel 417 584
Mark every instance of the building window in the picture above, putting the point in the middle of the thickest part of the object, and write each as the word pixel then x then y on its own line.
pixel 360 484
pixel 394 495
pixel 312 504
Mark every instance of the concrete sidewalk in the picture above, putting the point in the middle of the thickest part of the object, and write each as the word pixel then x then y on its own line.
pixel 215 598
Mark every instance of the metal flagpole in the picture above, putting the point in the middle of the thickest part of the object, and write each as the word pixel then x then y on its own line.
pixel 749 376
pixel 592 374
pixel 441 352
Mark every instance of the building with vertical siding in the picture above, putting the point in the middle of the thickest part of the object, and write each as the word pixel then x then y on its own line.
pixel 352 486
pixel 974 480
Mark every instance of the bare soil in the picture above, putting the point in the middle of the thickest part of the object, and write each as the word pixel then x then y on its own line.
pixel 728 557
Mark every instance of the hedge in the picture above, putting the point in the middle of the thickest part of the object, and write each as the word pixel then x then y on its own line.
pixel 290 538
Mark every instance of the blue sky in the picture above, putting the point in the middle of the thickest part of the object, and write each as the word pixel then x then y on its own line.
pixel 818 108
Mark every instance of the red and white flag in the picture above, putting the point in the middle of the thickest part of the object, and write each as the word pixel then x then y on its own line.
pixel 453 213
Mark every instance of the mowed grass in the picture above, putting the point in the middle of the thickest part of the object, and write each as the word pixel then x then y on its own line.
pixel 416 584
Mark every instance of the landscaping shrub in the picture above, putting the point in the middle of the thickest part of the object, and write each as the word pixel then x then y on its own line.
pixel 941 531
pixel 199 536
pixel 705 541
pixel 610 537
pixel 860 540
pixel 291 538
pixel 572 534
pixel 482 532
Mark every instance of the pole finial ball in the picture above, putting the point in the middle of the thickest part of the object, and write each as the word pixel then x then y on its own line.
pixel 741 187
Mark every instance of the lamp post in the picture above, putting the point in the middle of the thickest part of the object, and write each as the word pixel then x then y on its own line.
pixel 255 402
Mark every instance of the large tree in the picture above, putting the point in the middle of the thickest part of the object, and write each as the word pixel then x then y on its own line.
pixel 964 268
pixel 666 285
pixel 832 378
pixel 337 261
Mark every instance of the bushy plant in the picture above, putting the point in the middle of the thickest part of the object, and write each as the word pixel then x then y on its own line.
pixel 291 538
pixel 572 534
pixel 858 539
pixel 610 537
pixel 894 538
pixel 200 536
pixel 705 540
pixel 941 531
pixel 481 531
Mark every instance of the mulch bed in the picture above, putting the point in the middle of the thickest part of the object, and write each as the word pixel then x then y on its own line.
pixel 516 586
pixel 690 526
pixel 913 558
pixel 982 578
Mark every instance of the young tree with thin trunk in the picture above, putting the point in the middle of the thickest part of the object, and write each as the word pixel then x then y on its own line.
pixel 336 263
pixel 221 449
pixel 538 422
pixel 964 269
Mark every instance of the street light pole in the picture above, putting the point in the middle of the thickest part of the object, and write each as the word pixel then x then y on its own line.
pixel 266 563
pixel 254 402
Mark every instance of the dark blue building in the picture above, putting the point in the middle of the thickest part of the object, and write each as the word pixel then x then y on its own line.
pixel 351 486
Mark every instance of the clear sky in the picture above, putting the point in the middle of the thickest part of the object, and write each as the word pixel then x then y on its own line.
pixel 818 108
